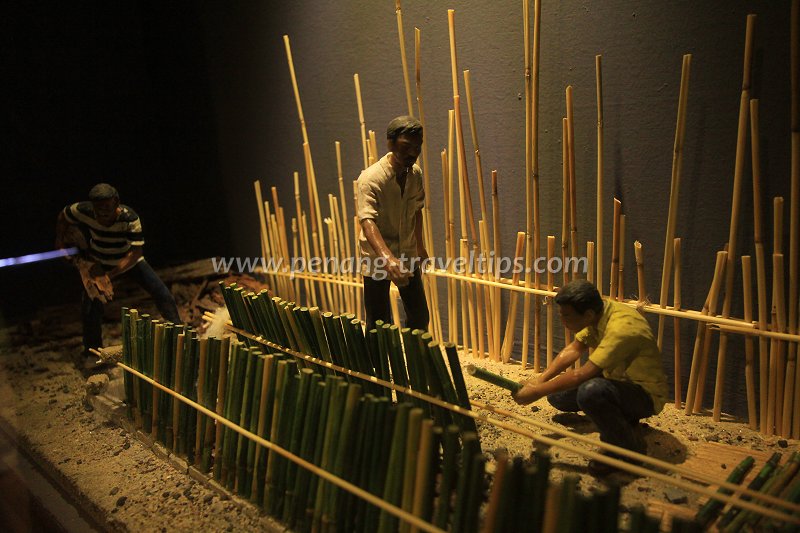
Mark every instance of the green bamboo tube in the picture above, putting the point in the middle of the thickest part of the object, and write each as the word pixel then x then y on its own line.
pixel 376 346
pixel 296 323
pixel 338 346
pixel 333 427
pixel 427 454
pixel 396 359
pixel 359 345
pixel 494 379
pixel 792 495
pixel 135 362
pixel 299 414
pixel 568 518
pixel 470 447
pixel 346 438
pixel 393 489
pixel 255 305
pixel 527 512
pixel 268 309
pixel 755 484
pixel 610 516
pixel 264 420
pixel 448 390
pixel 332 392
pixel 541 484
pixel 201 399
pixel 189 416
pixel 254 424
pixel 359 463
pixel 281 380
pixel 164 402
pixel 441 516
pixel 291 340
pixel 319 332
pixel 127 341
pixel 297 484
pixel 477 474
pixel 636 518
pixel 507 491
pixel 413 432
pixel 146 393
pixel 222 451
pixel 386 416
pixel 459 384
pixel 241 483
pixel 155 393
pixel 709 511
pixel 303 319
pixel 177 439
pixel 222 390
pixel 285 437
pixel 207 429
pixel 231 439
pixel 416 369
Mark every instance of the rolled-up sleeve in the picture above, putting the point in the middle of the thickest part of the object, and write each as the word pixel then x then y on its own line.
pixel 367 200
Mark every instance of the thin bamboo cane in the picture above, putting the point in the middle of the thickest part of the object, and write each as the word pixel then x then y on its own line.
pixel 176 383
pixel 565 204
pixel 285 247
pixel 621 282
pixel 573 204
pixel 528 67
pixel 343 221
pixel 265 248
pixel 362 124
pixel 672 216
pixel 311 289
pixel 425 161
pixel 701 381
pixel 615 250
pixel 467 310
pixel 794 217
pixel 694 373
pixel 487 267
pixel 496 248
pixel 551 250
pixel 373 146
pixel 399 13
pixel 776 348
pixel 784 394
pixel 590 258
pixel 452 294
pixel 295 252
pixel 537 12
pixel 676 324
pixel 733 235
pixel 159 333
pixel 749 363
pixel 598 63
pixel 508 337
pixel 639 256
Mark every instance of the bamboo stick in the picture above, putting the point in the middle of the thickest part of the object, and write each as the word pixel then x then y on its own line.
pixel 551 250
pixel 776 349
pixel 784 393
pixel 598 62
pixel 489 294
pixel 749 364
pixel 565 196
pixel 159 334
pixel 265 249
pixel 615 250
pixel 497 247
pixel 590 259
pixel 497 494
pixel 537 12
pixel 573 204
pixel 362 124
pixel 621 273
pixel 639 256
pixel 734 225
pixel 794 217
pixel 177 383
pixel 701 381
pixel 399 13
pixel 672 216
pixel 694 373
pixel 676 324
pixel 528 67
pixel 468 310
pixel 421 114
pixel 494 379
pixel 508 337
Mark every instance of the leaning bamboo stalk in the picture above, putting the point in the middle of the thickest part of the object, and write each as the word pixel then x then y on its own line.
pixel 615 250
pixel 701 381
pixel 425 161
pixel 361 122
pixel 373 146
pixel 694 373
pixel 676 323
pixel 598 62
pixel 672 216
pixel 265 249
pixel 508 337
pixel 526 301
pixel 551 250
pixel 399 13
pixel 573 204
pixel 488 292
pixel 565 181
pixel 496 248
pixel 738 172
pixel 639 256
pixel 534 176
pixel 749 363
pixel 423 487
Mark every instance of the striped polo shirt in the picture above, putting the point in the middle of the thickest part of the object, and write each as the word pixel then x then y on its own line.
pixel 107 244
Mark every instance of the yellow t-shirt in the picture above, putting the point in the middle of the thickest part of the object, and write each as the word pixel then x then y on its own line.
pixel 625 349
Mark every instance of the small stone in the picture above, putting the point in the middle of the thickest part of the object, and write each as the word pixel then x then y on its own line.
pixel 52 401
pixel 114 491
pixel 176 495
pixel 712 438
pixel 693 438
pixel 724 466
pixel 535 408
pixel 79 461
pixel 65 389
pixel 126 444
pixel 782 443
pixel 165 494
pixel 675 496
pixel 121 501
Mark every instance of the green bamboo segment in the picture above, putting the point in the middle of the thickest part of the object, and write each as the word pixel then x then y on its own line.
pixel 297 490
pixel 189 416
pixel 427 459
pixel 709 511
pixel 156 375
pixel 393 489
pixel 756 483
pixel 413 433
pixel 474 496
pixel 494 379
pixel 356 467
pixel 177 438
pixel 377 348
pixel 319 334
pixel 146 393
pixel 610 515
pixel 340 392
pixel 299 414
pixel 444 383
pixel 265 408
pixel 281 398
pixel 470 448
pixel 222 392
pixel 567 519
pixel 202 376
pixel 207 431
pixel 127 356
pixel 344 448
pixel 245 486
pixel 450 450
pixel 282 436
pixel 234 401
pixel 337 346
pixel 380 457
pixel 510 487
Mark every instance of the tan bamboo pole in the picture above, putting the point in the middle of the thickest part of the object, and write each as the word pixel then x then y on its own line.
pixel 573 203
pixel 497 246
pixel 373 147
pixel 694 373
pixel 672 216
pixel 527 71
pixel 473 333
pixel 508 337
pixel 452 321
pixel 639 256
pixel 551 508
pixel 425 161
pixel 741 140
pixel 343 201
pixel 462 288
pixel 676 323
pixel 621 282
pixel 598 64
pixel 272 242
pixel 565 205
pixel 701 382
pixel 749 363
pixel 401 37
pixel 776 347
pixel 262 224
pixel 590 260
pixel 295 252
pixel 534 176
pixel 612 293
pixel 302 235
pixel 307 254
pixel 336 252
pixel 362 124
pixel 488 268
pixel 780 325
pixel 357 269
pixel 551 279
pixel 794 206
pixel 761 277
pixel 285 247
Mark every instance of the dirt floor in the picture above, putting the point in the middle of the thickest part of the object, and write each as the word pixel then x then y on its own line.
pixel 124 486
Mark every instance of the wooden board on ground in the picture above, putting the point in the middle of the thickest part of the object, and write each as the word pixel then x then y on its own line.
pixel 718 460
pixel 666 511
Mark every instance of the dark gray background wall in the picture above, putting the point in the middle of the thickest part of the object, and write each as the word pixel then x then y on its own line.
pixel 184 104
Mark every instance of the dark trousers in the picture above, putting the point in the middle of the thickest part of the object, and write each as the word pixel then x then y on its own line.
pixel 144 275
pixel 378 307
pixel 614 406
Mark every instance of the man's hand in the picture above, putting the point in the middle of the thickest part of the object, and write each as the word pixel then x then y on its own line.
pixel 95 280
pixel 529 392
pixel 396 272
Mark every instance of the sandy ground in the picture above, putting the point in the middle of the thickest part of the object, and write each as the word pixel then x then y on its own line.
pixel 124 486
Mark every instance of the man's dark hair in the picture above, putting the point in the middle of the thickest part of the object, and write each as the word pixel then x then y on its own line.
pixel 102 191
pixel 581 295
pixel 403 125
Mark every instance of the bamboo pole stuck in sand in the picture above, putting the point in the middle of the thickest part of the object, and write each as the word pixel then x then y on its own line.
pixel 467 288
pixel 672 216
pixel 598 64
pixel 775 399
pixel 694 373
pixel 612 293
pixel 676 323
pixel 496 247
pixel 399 12
pixel 590 259
pixel 621 282
pixel 573 203
pixel 794 206
pixel 639 256
pixel 551 278
pixel 537 17
pixel 362 124
pixel 565 203
pixel 701 381
pixel 749 364
pixel 452 323
pixel 508 337
pixel 488 291
pixel 779 325
pixel 528 67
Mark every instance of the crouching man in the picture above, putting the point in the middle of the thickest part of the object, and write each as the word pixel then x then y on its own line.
pixel 622 381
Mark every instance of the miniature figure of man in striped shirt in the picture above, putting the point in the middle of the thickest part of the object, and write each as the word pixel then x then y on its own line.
pixel 109 237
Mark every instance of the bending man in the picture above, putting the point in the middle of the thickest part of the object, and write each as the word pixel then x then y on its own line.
pixel 623 380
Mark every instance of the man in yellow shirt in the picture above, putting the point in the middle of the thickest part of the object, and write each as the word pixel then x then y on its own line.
pixel 623 380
